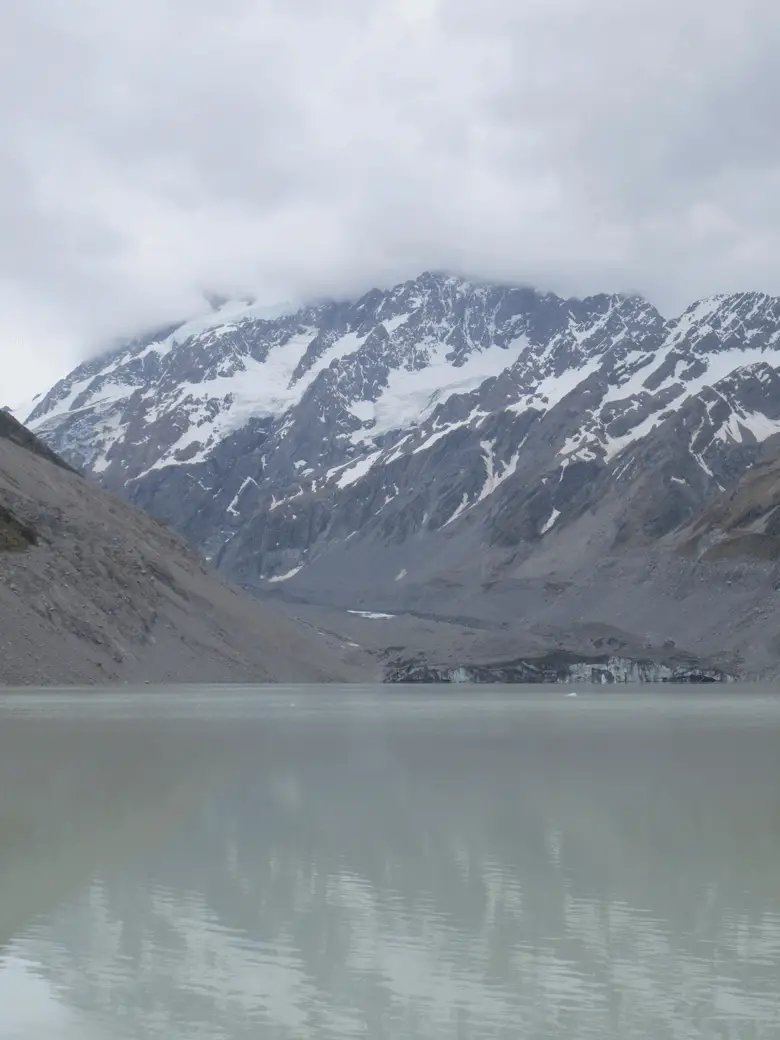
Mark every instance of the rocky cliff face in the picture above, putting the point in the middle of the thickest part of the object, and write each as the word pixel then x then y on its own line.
pixel 425 444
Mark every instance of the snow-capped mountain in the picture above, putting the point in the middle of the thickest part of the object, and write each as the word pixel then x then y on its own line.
pixel 274 440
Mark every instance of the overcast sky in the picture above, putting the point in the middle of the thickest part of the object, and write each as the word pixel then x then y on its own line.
pixel 151 149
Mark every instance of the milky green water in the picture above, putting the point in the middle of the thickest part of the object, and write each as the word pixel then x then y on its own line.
pixel 384 862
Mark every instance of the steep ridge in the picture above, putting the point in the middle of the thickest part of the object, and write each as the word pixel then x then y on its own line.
pixel 92 590
pixel 247 417
pixel 439 449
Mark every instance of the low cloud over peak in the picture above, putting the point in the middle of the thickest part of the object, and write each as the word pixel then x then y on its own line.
pixel 156 149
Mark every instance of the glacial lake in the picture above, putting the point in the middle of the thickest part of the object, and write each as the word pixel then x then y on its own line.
pixel 300 862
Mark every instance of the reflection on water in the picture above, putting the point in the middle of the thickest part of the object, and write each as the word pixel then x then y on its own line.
pixel 303 863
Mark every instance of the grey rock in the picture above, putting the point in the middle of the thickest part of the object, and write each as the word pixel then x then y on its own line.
pixel 94 591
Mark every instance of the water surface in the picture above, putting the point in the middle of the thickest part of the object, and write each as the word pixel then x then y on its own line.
pixel 385 862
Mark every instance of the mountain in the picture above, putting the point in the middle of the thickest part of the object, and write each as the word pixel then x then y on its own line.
pixel 93 590
pixel 468 453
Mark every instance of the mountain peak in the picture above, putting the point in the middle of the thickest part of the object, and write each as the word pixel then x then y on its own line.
pixel 428 445
pixel 269 436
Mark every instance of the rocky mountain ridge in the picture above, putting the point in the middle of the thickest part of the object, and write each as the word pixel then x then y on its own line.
pixel 418 449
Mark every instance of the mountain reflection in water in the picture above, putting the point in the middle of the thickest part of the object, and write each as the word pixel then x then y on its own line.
pixel 374 863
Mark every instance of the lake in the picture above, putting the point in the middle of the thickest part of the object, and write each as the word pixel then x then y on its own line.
pixel 300 862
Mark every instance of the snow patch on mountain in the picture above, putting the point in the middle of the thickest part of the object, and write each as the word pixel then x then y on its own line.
pixel 286 577
pixel 464 505
pixel 232 507
pixel 496 472
pixel 754 423
pixel 550 522
pixel 258 388
pixel 552 389
pixel 411 395
pixel 372 615
pixel 439 434
pixel 358 470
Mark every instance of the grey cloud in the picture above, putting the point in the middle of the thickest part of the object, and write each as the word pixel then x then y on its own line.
pixel 155 148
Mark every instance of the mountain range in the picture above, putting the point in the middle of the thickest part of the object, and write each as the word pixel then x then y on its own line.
pixel 465 479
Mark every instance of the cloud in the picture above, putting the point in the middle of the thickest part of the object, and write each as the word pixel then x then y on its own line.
pixel 156 148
